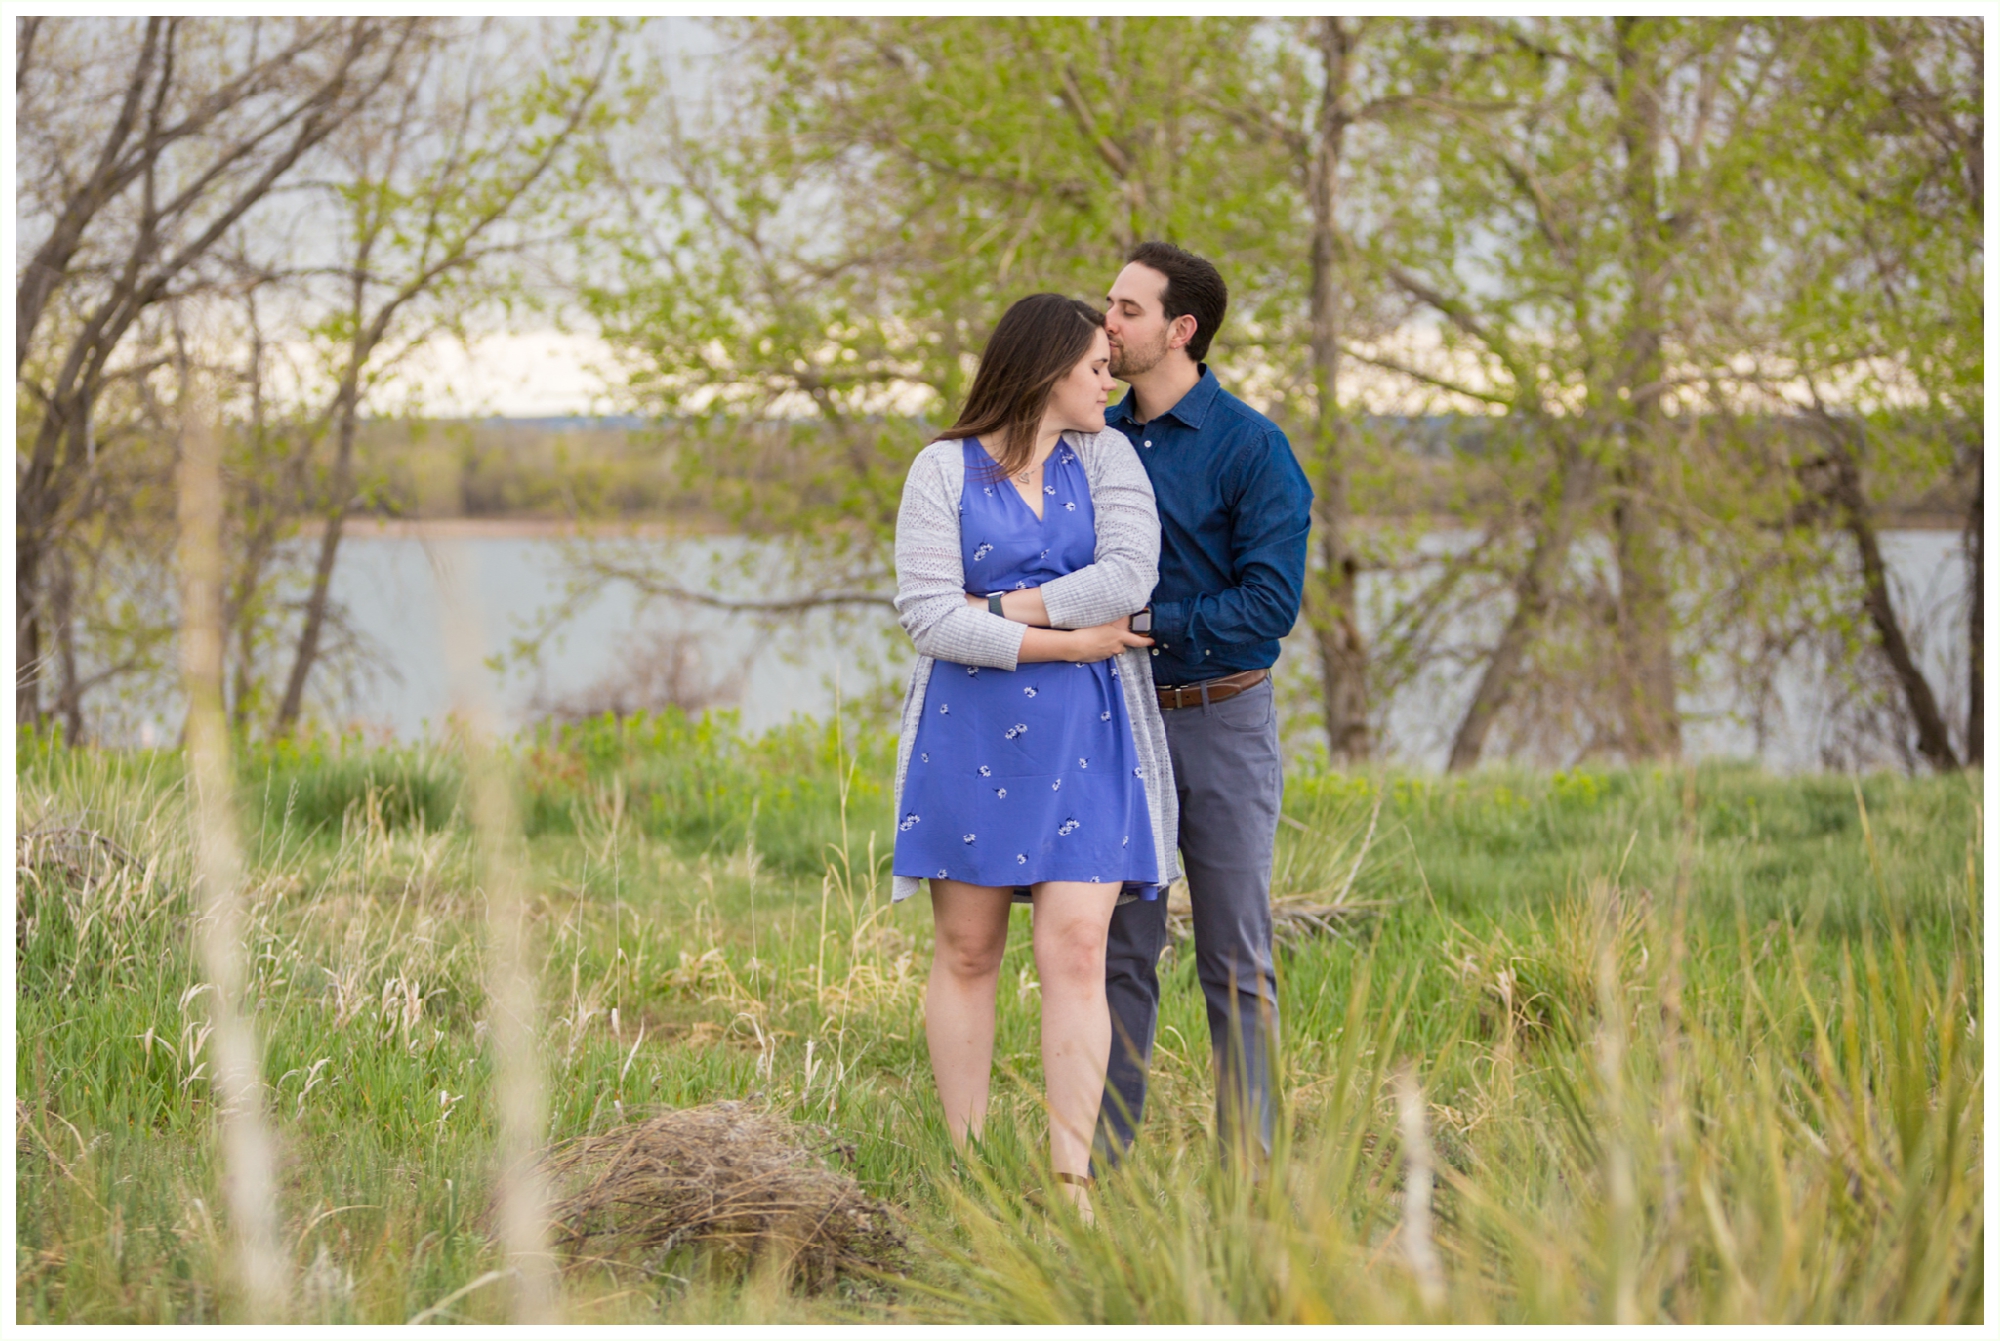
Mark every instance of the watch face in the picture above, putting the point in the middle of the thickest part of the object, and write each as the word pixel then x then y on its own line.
pixel 1142 622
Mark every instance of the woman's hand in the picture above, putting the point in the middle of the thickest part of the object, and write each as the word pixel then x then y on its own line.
pixel 1081 645
pixel 1107 640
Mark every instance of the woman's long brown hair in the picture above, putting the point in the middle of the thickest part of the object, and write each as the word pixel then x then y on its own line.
pixel 1038 341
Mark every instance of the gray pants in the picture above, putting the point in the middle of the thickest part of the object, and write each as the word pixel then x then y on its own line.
pixel 1230 778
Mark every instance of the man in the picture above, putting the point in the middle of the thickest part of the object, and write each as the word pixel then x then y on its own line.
pixel 1234 515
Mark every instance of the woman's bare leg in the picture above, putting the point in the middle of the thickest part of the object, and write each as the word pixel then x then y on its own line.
pixel 958 1001
pixel 1071 921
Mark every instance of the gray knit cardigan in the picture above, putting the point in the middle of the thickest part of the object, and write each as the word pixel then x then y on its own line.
pixel 930 601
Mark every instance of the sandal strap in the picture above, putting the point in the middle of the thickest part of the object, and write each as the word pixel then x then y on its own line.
pixel 1078 1179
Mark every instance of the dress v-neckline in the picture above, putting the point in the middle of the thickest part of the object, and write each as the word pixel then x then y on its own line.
pixel 1041 514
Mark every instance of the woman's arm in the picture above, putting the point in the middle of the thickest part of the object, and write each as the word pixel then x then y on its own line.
pixel 1017 607
pixel 930 575
pixel 1127 561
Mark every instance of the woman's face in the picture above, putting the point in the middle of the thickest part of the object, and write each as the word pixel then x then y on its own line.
pixel 1078 400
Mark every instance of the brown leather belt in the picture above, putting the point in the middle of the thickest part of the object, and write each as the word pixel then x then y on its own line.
pixel 1209 691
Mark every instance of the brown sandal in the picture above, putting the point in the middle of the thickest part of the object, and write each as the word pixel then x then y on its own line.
pixel 1082 1180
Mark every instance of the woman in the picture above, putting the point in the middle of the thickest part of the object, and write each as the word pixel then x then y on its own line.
pixel 1033 762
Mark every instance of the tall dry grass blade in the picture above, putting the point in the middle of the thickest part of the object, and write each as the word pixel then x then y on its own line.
pixel 246 1148
pixel 1621 1202
pixel 1418 1247
pixel 1673 1118
pixel 522 1193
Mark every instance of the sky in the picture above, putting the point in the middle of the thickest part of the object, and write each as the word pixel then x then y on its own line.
pixel 546 372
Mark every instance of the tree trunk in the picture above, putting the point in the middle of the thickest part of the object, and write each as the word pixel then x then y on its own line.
pixel 314 627
pixel 1975 553
pixel 1534 588
pixel 1644 629
pixel 1848 495
pixel 37 499
pixel 27 626
pixel 1332 605
pixel 62 623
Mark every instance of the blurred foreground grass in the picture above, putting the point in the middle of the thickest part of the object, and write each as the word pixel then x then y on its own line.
pixel 1700 1047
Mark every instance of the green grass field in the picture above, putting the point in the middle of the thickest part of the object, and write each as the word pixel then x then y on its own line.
pixel 1694 1046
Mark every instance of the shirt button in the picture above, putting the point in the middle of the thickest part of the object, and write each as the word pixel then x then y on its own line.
pixel 1149 442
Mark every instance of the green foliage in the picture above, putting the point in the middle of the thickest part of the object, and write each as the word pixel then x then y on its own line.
pixel 315 785
pixel 697 782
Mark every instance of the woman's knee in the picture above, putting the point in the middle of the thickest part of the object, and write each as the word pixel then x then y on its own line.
pixel 1071 954
pixel 971 955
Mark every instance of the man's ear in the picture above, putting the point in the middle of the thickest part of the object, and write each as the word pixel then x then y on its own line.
pixel 1181 330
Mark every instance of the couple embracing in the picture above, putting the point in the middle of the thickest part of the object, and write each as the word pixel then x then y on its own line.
pixel 1097 598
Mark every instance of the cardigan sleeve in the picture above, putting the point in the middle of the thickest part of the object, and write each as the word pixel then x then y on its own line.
pixel 1127 565
pixel 930 575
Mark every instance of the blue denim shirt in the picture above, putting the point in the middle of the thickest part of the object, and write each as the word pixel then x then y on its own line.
pixel 1234 513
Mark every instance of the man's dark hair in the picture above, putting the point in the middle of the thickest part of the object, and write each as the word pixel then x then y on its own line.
pixel 1194 288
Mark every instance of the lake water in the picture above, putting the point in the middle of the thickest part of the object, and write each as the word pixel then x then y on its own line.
pixel 389 584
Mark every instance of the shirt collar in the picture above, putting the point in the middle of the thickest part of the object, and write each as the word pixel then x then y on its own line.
pixel 1190 409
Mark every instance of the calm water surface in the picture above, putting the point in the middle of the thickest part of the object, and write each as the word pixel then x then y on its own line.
pixel 390 587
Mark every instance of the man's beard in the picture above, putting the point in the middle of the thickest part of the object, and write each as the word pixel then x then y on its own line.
pixel 1129 361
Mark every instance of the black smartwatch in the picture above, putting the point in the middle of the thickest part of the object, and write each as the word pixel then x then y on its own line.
pixel 1143 621
pixel 993 604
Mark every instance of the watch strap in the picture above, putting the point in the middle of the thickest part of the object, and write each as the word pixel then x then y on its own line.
pixel 993 604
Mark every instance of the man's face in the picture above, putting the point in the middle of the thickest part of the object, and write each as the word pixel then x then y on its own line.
pixel 1136 323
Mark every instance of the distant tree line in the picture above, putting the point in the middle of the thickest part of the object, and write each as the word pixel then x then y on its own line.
pixel 1710 290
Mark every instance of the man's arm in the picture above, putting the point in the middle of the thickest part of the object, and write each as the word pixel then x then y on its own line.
pixel 1270 519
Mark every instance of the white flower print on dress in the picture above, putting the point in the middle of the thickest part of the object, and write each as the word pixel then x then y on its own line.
pixel 1069 826
pixel 944 709
pixel 970 837
pixel 983 550
pixel 1082 762
pixel 925 757
pixel 985 772
pixel 1030 690
pixel 1056 786
pixel 1069 507
pixel 940 874
pixel 909 821
pixel 1000 792
pixel 1020 859
pixel 1103 716
pixel 1018 729
pixel 1048 488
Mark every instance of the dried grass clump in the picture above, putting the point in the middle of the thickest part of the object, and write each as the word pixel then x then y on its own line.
pixel 87 895
pixel 746 1183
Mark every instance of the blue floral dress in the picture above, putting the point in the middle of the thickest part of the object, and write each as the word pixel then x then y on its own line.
pixel 1026 775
